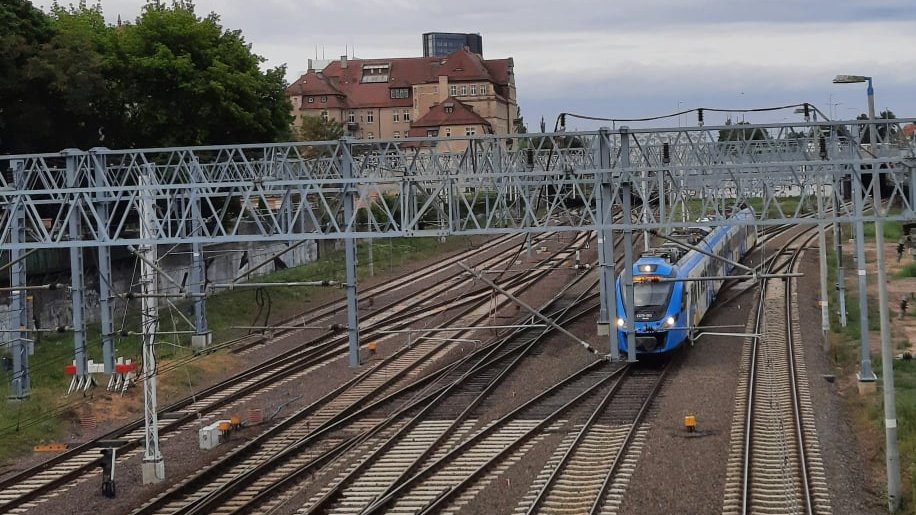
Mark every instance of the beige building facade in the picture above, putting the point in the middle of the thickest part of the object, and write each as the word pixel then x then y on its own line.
pixel 387 98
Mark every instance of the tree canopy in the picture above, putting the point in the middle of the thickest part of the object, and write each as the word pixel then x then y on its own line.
pixel 740 133
pixel 170 78
pixel 882 129
pixel 314 128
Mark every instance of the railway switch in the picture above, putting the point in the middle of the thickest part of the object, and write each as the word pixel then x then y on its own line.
pixel 690 423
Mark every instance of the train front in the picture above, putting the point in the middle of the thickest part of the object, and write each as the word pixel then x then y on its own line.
pixel 659 324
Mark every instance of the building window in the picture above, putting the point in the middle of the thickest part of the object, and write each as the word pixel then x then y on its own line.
pixel 324 115
pixel 375 73
pixel 395 116
pixel 483 89
pixel 399 92
pixel 311 100
pixel 473 89
pixel 370 136
pixel 323 99
pixel 407 115
pixel 397 135
pixel 470 131
pixel 351 117
pixel 370 116
pixel 432 133
pixel 448 132
pixel 464 90
pixel 450 107
pixel 453 90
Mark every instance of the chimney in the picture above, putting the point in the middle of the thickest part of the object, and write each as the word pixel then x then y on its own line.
pixel 443 87
pixel 343 61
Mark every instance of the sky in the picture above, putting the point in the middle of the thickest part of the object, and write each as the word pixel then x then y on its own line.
pixel 616 59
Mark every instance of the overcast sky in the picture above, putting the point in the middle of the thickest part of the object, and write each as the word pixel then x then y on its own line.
pixel 616 59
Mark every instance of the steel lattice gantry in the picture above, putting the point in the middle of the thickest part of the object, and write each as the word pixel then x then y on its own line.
pixel 290 192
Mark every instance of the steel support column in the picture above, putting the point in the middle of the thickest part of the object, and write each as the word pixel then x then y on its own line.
pixel 822 261
pixel 838 250
pixel 77 286
pixel 198 277
pixel 866 374
pixel 607 316
pixel 153 463
pixel 106 311
pixel 348 193
pixel 20 383
pixel 891 453
pixel 627 191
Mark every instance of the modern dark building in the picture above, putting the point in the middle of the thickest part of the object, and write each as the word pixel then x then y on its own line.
pixel 441 44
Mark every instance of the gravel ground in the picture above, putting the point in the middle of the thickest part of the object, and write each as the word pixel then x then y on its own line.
pixel 852 489
pixel 181 453
pixel 678 473
pixel 682 474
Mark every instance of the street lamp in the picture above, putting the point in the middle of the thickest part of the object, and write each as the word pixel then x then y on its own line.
pixel 854 79
pixel 892 457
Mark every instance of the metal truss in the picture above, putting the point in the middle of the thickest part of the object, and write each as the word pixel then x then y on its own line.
pixel 347 189
pixel 536 182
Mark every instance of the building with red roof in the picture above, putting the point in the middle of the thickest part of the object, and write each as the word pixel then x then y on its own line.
pixel 388 98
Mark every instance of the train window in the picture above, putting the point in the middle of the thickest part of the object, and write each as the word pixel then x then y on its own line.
pixel 651 294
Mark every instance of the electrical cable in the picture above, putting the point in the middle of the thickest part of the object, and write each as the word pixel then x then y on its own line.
pixel 562 116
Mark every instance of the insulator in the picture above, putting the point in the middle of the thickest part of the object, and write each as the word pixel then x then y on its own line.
pixel 822 142
pixel 666 153
pixel 700 116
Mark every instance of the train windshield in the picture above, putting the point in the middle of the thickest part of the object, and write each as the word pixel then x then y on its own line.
pixel 651 294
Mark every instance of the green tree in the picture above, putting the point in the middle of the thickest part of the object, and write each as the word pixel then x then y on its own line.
pixel 741 133
pixel 190 82
pixel 75 68
pixel 882 128
pixel 23 99
pixel 314 128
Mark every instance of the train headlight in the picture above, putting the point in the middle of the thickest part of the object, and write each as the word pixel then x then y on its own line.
pixel 620 323
pixel 669 323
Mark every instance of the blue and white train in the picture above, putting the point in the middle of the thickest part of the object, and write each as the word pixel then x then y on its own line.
pixel 668 312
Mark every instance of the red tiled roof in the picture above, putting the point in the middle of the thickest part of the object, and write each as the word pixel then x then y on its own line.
pixel 313 84
pixel 403 72
pixel 461 114
pixel 463 65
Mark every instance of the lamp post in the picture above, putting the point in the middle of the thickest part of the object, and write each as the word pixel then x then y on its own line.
pixel 892 457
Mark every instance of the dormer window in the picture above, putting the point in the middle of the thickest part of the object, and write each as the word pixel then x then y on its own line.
pixel 399 92
pixel 450 107
pixel 375 73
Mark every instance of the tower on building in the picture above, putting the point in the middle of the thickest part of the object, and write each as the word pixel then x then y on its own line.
pixel 441 44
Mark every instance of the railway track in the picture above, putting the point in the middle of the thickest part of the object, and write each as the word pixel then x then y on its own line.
pixel 775 464
pixel 313 428
pixel 28 488
pixel 589 470
pixel 441 425
pixel 464 469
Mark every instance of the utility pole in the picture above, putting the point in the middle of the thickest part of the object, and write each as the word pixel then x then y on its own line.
pixel 153 463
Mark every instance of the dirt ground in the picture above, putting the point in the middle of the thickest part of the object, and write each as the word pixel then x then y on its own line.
pixel 682 473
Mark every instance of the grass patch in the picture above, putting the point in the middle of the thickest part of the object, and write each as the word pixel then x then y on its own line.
pixel 48 414
pixel 908 270
pixel 869 411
